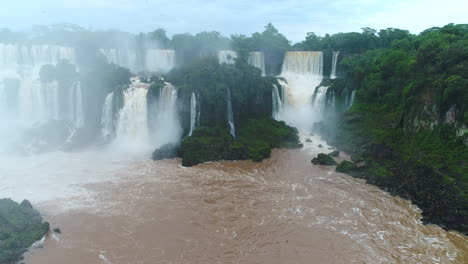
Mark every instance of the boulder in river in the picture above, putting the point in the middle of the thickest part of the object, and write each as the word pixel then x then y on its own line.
pixel 323 159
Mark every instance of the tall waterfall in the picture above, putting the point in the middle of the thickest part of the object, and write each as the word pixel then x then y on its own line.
pixel 230 116
pixel 277 102
pixel 303 72
pixel 193 113
pixel 257 59
pixel 132 128
pixel 166 124
pixel 334 63
pixel 160 60
pixel 37 101
pixel 107 118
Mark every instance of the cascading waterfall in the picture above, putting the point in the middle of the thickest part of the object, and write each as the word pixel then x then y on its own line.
pixel 334 63
pixel 37 102
pixel 160 60
pixel 166 124
pixel 257 59
pixel 132 127
pixel 277 103
pixel 303 72
pixel 107 118
pixel 230 115
pixel 193 113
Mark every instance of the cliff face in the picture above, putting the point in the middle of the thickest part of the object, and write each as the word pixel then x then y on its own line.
pixel 407 125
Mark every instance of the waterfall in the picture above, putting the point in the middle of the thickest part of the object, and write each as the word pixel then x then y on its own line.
pixel 132 127
pixel 193 113
pixel 277 103
pixel 230 115
pixel 123 57
pixel 257 59
pixel 107 118
pixel 227 56
pixel 37 102
pixel 320 99
pixel 353 95
pixel 166 124
pixel 302 71
pixel 334 63
pixel 76 105
pixel 303 62
pixel 160 60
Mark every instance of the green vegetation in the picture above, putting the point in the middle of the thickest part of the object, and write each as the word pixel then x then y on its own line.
pixel 255 139
pixel 251 94
pixel 346 167
pixel 271 42
pixel 406 125
pixel 323 159
pixel 20 227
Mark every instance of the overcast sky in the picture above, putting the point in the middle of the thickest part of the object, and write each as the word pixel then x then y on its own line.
pixel 294 18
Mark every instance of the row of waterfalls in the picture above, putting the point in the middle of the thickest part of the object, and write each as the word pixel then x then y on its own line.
pixel 128 116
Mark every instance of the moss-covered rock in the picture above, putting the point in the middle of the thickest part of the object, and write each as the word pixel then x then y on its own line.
pixel 335 153
pixel 255 139
pixel 20 227
pixel 323 159
pixel 346 167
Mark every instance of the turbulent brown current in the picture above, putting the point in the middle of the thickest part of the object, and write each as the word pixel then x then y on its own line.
pixel 114 209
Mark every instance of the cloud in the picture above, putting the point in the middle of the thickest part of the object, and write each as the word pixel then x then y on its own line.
pixel 292 17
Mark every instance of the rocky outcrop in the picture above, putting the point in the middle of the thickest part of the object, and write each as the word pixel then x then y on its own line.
pixel 20 227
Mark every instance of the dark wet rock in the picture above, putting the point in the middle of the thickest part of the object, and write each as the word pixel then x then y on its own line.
pixel 57 230
pixel 335 153
pixel 167 151
pixel 320 146
pixel 308 140
pixel 323 159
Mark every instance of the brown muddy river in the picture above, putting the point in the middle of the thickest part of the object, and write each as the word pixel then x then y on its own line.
pixel 284 210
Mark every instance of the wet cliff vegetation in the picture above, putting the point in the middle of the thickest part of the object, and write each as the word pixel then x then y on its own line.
pixel 407 129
